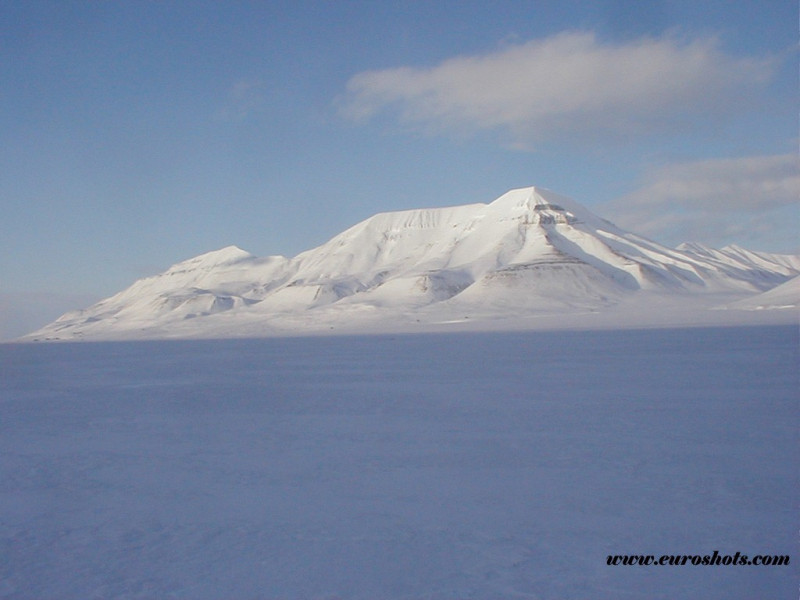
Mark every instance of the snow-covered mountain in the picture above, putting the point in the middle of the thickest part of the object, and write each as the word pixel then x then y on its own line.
pixel 528 254
pixel 785 296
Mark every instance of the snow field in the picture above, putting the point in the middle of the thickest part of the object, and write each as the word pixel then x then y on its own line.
pixel 495 465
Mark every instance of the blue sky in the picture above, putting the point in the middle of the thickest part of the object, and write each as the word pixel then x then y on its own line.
pixel 138 134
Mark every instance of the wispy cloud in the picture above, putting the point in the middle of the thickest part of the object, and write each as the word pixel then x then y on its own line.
pixel 716 201
pixel 243 98
pixel 564 84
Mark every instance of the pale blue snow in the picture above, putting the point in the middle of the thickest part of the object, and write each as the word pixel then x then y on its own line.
pixel 386 467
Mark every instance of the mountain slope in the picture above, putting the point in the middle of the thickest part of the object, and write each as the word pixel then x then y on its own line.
pixel 784 296
pixel 529 252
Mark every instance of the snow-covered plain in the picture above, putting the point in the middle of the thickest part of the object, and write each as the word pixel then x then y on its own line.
pixel 447 466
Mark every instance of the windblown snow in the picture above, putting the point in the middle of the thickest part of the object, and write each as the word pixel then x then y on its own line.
pixel 530 259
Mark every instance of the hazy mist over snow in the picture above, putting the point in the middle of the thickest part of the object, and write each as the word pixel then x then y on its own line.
pixel 18 311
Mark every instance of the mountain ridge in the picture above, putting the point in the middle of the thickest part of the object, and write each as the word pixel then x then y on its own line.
pixel 529 253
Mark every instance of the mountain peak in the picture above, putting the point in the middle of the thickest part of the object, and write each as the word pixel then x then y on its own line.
pixel 228 253
pixel 538 205
pixel 529 253
pixel 224 256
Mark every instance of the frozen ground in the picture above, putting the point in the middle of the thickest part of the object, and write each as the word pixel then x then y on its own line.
pixel 483 466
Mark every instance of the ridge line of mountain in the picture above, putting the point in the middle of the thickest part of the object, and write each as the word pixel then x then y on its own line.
pixel 530 253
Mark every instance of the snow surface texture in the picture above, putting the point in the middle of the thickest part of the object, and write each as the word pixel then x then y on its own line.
pixel 438 467
pixel 530 259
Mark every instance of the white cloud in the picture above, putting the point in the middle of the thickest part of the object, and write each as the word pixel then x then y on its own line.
pixel 567 83
pixel 751 199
